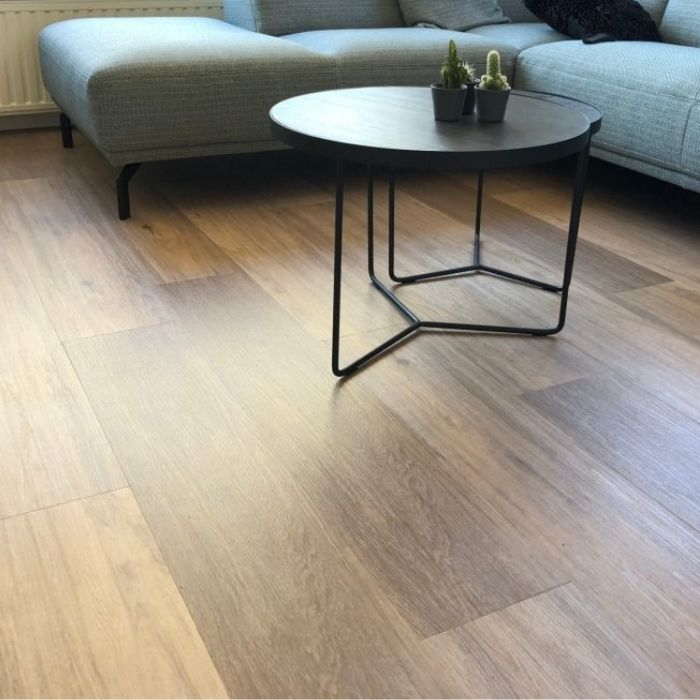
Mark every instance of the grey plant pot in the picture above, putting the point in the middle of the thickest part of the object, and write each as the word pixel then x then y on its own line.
pixel 470 100
pixel 448 103
pixel 491 104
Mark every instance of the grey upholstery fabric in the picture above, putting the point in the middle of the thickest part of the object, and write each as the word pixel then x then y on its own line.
pixel 681 23
pixel 151 84
pixel 399 56
pixel 516 11
pixel 449 14
pixel 156 88
pixel 645 115
pixel 689 179
pixel 691 148
pixel 279 17
pixel 521 35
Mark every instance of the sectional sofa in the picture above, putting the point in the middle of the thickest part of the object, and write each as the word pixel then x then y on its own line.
pixel 146 89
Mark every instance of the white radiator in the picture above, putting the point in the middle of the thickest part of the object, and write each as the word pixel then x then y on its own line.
pixel 21 91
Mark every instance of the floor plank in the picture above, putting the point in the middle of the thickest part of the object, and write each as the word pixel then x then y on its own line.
pixel 655 447
pixel 281 607
pixel 558 644
pixel 52 448
pixel 426 528
pixel 383 492
pixel 536 242
pixel 169 242
pixel 658 230
pixel 673 305
pixel 90 610
pixel 638 561
pixel 87 287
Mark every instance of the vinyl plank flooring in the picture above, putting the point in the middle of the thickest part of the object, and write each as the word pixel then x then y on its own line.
pixel 662 617
pixel 538 244
pixel 288 251
pixel 382 502
pixel 87 287
pixel 158 232
pixel 89 608
pixel 655 447
pixel 422 529
pixel 559 644
pixel 496 444
pixel 283 610
pixel 52 448
pixel 291 256
pixel 385 491
pixel 657 234
pixel 37 153
pixel 673 305
pixel 659 360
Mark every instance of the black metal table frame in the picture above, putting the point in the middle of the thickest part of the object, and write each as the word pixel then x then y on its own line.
pixel 476 267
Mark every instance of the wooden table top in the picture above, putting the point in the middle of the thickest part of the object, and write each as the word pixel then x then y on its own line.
pixel 394 126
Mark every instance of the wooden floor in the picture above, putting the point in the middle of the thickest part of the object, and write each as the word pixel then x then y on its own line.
pixel 191 505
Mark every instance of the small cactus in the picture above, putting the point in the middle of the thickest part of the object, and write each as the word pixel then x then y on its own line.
pixel 494 79
pixel 455 72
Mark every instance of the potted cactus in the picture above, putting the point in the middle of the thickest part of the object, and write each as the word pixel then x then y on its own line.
pixel 449 95
pixel 493 91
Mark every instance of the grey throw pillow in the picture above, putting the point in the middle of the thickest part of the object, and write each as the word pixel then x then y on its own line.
pixel 458 15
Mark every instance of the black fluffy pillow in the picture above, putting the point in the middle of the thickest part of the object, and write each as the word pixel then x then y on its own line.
pixel 597 20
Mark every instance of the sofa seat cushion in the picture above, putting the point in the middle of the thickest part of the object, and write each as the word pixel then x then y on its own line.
pixel 645 112
pixel 134 84
pixel 521 35
pixel 398 56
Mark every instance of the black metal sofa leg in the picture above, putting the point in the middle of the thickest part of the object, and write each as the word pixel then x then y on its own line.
pixel 66 131
pixel 123 204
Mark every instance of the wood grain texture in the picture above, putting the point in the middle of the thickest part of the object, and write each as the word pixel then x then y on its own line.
pixel 673 305
pixel 90 610
pixel 434 577
pixel 170 244
pixel 537 242
pixel 87 287
pixel 438 526
pixel 611 538
pixel 379 495
pixel 655 447
pixel 52 448
pixel 281 606
pixel 660 238
pixel 396 127
pixel 558 645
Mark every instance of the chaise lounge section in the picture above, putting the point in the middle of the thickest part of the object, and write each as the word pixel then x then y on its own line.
pixel 147 89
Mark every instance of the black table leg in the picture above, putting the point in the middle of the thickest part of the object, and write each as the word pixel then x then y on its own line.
pixel 339 371
pixel 476 267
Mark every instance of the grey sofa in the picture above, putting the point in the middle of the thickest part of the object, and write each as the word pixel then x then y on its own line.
pixel 145 89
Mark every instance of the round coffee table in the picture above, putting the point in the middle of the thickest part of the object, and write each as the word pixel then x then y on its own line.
pixel 394 128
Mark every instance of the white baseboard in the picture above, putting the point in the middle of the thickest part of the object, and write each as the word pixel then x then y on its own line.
pixel 37 120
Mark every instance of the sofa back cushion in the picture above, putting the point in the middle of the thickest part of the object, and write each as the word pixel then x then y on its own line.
pixel 447 14
pixel 279 17
pixel 681 22
pixel 515 11
pixel 655 8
